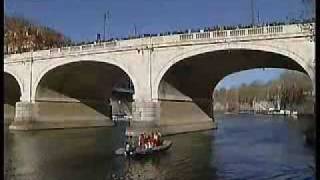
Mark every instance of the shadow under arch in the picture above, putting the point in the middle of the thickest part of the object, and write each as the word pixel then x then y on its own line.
pixel 79 90
pixel 12 94
pixel 111 61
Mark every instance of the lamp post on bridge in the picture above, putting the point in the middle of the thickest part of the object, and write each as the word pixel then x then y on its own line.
pixel 105 17
pixel 31 62
pixel 104 26
pixel 252 13
pixel 135 30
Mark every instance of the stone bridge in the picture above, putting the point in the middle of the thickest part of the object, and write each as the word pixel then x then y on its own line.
pixel 173 76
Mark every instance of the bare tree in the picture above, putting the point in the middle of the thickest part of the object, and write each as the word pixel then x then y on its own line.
pixel 23 35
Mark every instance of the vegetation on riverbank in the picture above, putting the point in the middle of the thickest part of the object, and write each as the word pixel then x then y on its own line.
pixel 291 90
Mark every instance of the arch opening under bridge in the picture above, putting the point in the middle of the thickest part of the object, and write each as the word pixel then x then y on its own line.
pixel 12 94
pixel 81 93
pixel 186 83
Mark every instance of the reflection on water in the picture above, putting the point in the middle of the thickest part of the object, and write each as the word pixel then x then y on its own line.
pixel 243 147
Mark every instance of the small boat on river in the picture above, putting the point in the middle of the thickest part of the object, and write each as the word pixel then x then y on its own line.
pixel 166 144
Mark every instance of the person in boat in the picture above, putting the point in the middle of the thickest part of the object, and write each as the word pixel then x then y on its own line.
pixel 127 148
pixel 150 145
pixel 158 138
pixel 146 139
pixel 141 141
pixel 155 137
pixel 148 142
pixel 131 142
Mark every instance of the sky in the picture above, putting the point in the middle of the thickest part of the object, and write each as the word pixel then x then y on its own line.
pixel 81 20
pixel 249 76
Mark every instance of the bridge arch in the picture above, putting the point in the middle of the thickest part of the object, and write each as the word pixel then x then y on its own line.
pixel 94 59
pixel 277 50
pixel 16 77
pixel 184 85
pixel 80 92
pixel 12 94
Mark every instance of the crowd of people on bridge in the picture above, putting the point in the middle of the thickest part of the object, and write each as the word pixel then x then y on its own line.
pixel 205 29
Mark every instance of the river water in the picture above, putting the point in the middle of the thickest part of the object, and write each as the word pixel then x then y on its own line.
pixel 243 147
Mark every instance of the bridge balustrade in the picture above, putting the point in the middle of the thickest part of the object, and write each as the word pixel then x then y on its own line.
pixel 79 48
pixel 86 47
pixel 233 33
pixel 40 53
pixel 219 34
pixel 241 32
pixel 110 44
pixel 157 40
pixel 186 36
pixel 17 57
pixel 65 49
pixel 255 31
pixel 204 35
pixel 75 48
pixel 55 50
pixel 98 45
pixel 275 29
pixel 306 27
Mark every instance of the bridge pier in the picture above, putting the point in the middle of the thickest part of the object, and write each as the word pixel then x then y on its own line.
pixel 145 117
pixel 9 113
pixel 170 117
pixel 56 115
pixel 185 116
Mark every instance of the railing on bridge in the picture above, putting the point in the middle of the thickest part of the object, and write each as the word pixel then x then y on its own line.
pixel 236 34
pixel 85 47
pixel 268 30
